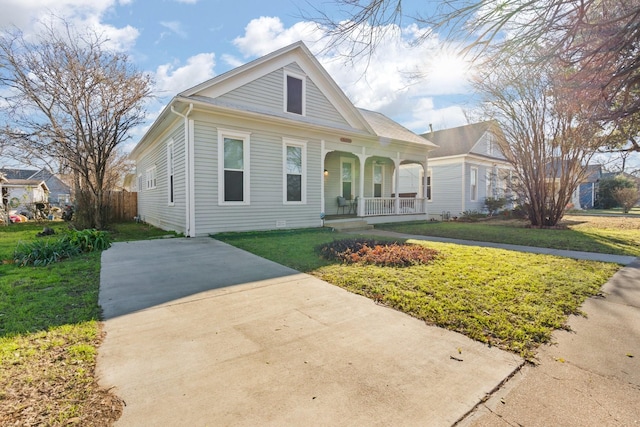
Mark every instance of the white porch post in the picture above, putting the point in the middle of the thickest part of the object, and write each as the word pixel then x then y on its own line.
pixel 396 204
pixel 425 167
pixel 323 154
pixel 362 158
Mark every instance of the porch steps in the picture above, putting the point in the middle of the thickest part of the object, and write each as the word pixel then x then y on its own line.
pixel 352 225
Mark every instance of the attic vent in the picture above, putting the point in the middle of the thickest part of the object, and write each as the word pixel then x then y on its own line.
pixel 343 139
pixel 281 223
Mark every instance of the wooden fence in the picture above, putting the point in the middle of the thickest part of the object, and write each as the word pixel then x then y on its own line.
pixel 121 205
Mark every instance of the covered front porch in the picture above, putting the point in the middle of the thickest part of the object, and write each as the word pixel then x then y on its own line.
pixel 367 183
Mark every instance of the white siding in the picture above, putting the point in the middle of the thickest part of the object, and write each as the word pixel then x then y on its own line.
pixel 267 93
pixel 446 187
pixel 487 145
pixel 153 206
pixel 267 209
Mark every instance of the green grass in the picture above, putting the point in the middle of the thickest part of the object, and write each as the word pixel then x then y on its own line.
pixel 618 236
pixel 508 299
pixel 50 331
pixel 613 211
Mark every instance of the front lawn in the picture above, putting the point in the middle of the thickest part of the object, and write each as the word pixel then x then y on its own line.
pixel 507 299
pixel 618 236
pixel 50 332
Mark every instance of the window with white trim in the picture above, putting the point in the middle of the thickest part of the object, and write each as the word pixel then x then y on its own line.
pixel 473 184
pixel 294 93
pixel 295 171
pixel 429 184
pixel 151 178
pixel 233 167
pixel 170 174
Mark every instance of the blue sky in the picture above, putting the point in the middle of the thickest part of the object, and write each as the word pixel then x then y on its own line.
pixel 184 42
pixel 181 43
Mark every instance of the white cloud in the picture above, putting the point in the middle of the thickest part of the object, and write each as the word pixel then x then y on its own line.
pixel 266 34
pixel 83 14
pixel 175 27
pixel 171 79
pixel 394 80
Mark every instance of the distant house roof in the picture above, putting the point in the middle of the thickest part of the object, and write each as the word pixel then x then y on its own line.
pixel 456 141
pixel 12 173
pixel 593 173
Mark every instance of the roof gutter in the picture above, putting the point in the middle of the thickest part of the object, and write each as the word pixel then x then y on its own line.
pixel 189 177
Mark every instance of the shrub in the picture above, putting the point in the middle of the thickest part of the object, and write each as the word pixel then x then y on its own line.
pixel 626 198
pixel 493 205
pixel 608 186
pixel 89 240
pixel 44 252
pixel 471 215
pixel 370 251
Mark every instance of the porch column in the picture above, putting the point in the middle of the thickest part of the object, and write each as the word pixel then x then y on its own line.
pixel 362 158
pixel 396 204
pixel 425 167
pixel 323 156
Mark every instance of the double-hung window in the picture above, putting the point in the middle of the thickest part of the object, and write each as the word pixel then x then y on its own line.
pixel 294 93
pixel 151 178
pixel 295 171
pixel 233 167
pixel 473 184
pixel 429 183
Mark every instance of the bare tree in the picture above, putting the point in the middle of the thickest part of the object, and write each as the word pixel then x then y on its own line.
pixel 543 135
pixel 600 39
pixel 71 99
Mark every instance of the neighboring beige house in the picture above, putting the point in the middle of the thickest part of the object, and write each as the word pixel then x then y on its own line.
pixel 21 195
pixel 273 144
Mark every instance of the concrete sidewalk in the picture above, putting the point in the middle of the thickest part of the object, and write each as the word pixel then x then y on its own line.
pixel 590 376
pixel 201 333
pixel 590 256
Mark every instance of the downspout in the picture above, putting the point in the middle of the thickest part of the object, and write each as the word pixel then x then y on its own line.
pixel 189 177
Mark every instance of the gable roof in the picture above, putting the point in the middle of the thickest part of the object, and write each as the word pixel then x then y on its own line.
pixel 296 52
pixel 457 141
pixel 13 173
pixel 362 122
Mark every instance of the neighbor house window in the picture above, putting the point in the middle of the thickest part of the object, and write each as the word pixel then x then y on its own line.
pixel 473 184
pixel 490 144
pixel 151 178
pixel 429 184
pixel 64 199
pixel 294 179
pixel 170 173
pixel 233 167
pixel 294 96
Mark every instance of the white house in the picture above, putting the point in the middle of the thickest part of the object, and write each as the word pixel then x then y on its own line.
pixel 465 169
pixel 272 144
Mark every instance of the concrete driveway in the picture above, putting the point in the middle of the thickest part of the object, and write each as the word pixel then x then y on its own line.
pixel 200 333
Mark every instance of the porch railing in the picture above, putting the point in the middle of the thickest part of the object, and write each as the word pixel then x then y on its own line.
pixel 374 206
